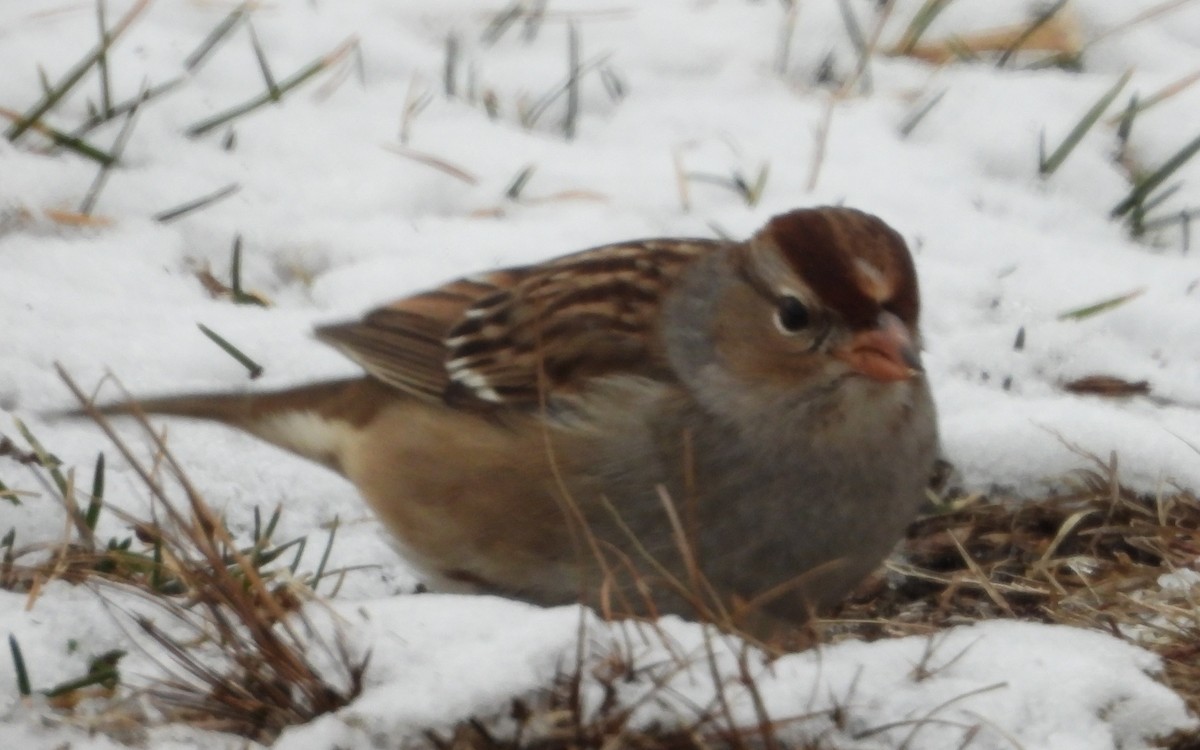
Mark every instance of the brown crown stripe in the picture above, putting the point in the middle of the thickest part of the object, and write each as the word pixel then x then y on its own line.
pixel 811 243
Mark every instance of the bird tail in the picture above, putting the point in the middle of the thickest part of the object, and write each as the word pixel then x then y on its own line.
pixel 313 421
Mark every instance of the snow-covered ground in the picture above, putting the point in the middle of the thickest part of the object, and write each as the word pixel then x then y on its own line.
pixel 334 220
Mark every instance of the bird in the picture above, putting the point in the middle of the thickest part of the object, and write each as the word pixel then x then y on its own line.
pixel 729 430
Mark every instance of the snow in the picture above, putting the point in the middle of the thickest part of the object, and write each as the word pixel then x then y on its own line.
pixel 333 222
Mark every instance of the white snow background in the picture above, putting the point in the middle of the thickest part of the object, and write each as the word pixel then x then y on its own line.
pixel 334 221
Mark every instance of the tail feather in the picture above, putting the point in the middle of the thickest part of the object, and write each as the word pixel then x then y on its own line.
pixel 313 421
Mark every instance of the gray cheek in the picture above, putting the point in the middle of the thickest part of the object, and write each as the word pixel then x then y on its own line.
pixel 688 314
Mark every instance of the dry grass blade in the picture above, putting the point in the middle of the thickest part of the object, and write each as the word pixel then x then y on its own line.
pixel 1058 35
pixel 1138 105
pixel 436 162
pixel 243 666
pixel 1139 18
pixel 1089 558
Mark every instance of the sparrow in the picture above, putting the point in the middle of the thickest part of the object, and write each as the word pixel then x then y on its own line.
pixel 688 426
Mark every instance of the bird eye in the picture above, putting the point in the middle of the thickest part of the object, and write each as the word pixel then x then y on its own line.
pixel 791 315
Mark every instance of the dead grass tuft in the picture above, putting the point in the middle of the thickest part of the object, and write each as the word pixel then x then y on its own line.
pixel 237 652
pixel 1094 557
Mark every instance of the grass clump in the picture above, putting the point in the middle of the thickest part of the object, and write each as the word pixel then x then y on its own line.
pixel 1094 557
pixel 237 652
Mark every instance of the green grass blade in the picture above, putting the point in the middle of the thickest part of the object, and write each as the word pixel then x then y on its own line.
pixel 272 96
pixel 75 75
pixel 1044 18
pixel 48 462
pixel 171 214
pixel 264 67
pixel 93 193
pixel 1048 165
pixel 325 555
pixel 253 367
pixel 23 688
pixel 920 23
pixel 1137 196
pixel 1103 306
pixel 64 140
pixel 913 120
pixel 209 43
pixel 102 62
pixel 92 514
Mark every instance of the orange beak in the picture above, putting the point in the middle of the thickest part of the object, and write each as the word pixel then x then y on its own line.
pixel 885 353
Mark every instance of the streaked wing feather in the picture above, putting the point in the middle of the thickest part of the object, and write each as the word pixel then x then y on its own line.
pixel 503 337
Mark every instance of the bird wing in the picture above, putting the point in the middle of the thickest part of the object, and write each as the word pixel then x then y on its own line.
pixel 512 336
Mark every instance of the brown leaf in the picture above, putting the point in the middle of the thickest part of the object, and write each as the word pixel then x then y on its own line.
pixel 1109 386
